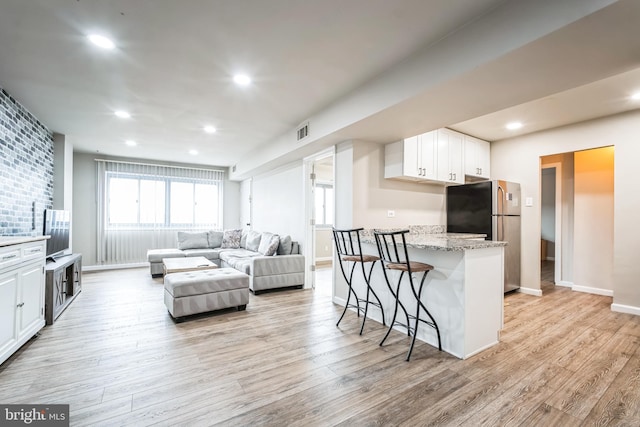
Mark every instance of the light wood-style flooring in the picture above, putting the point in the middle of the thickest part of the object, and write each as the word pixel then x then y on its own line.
pixel 118 359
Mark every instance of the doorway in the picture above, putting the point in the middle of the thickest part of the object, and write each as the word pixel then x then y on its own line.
pixel 320 203
pixel 581 210
pixel 550 225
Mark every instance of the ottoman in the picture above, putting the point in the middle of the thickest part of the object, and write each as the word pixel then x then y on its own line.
pixel 202 291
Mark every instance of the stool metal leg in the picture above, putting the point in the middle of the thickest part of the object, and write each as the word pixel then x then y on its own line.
pixel 418 320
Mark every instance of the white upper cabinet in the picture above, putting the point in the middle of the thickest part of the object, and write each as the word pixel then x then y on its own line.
pixel 412 158
pixel 450 156
pixel 442 155
pixel 477 157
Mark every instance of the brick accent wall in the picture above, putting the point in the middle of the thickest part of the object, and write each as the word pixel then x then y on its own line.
pixel 26 169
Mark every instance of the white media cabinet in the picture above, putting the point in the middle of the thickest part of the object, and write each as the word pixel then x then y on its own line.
pixel 22 284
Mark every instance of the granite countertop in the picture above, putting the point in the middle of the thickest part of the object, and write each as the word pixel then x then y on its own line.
pixel 16 240
pixel 442 241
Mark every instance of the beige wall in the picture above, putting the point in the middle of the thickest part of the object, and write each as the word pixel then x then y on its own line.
pixel 374 196
pixel 324 244
pixel 518 159
pixel 593 223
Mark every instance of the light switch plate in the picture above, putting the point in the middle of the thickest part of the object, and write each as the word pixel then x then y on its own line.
pixel 528 201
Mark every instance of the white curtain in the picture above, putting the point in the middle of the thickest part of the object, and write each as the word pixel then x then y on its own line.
pixel 142 206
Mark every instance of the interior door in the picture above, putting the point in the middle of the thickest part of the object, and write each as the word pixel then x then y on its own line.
pixel 245 203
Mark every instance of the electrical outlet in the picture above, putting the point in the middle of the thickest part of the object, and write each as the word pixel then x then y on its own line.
pixel 391 214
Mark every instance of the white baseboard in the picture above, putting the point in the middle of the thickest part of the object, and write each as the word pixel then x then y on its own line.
pixel 339 301
pixel 531 291
pixel 590 290
pixel 565 284
pixel 324 258
pixel 629 309
pixel 113 266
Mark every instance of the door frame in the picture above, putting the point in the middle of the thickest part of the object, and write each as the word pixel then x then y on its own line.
pixel 309 213
pixel 557 274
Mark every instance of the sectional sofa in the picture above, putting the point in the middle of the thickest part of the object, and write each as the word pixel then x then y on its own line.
pixel 270 260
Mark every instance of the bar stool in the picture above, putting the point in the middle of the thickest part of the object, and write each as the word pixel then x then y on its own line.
pixel 392 247
pixel 349 250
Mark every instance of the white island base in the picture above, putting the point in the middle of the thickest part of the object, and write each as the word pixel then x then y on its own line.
pixel 464 294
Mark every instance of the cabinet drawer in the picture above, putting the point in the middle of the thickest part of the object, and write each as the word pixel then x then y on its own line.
pixel 9 257
pixel 33 251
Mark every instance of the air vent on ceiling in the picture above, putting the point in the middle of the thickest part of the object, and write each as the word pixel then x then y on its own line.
pixel 303 131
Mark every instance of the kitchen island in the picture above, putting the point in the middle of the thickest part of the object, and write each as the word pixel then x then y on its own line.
pixel 464 292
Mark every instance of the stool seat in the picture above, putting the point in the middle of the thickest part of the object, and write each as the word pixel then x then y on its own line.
pixel 415 266
pixel 360 258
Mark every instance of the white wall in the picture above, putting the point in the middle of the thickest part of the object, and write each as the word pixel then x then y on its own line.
pixel 278 202
pixel 593 229
pixel 84 228
pixel 518 159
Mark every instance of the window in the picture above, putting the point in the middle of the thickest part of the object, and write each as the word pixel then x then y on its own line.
pixel 140 201
pixel 324 205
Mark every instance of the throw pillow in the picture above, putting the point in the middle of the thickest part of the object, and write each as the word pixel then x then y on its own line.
pixel 253 240
pixel 231 239
pixel 284 246
pixel 215 238
pixel 243 239
pixel 192 240
pixel 269 244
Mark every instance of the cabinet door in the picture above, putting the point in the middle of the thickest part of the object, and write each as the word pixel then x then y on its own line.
pixel 456 157
pixel 59 290
pixel 484 158
pixel 411 161
pixel 477 157
pixel 30 296
pixel 428 143
pixel 8 302
pixel 471 156
pixel 450 168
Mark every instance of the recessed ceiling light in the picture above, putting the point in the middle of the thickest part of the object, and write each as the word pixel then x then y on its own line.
pixel 636 96
pixel 101 41
pixel 210 129
pixel 131 143
pixel 122 114
pixel 242 79
pixel 513 125
pixel 193 152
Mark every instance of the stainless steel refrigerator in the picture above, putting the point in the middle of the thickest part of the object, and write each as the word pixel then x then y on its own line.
pixel 491 208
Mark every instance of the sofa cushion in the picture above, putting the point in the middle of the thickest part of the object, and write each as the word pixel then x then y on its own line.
pixel 209 253
pixel 231 239
pixel 237 253
pixel 214 238
pixel 192 240
pixel 284 247
pixel 269 244
pixel 157 255
pixel 253 240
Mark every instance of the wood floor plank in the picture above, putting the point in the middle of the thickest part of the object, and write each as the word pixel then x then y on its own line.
pixel 117 357
pixel 620 404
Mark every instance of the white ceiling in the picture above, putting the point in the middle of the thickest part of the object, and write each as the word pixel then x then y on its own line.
pixel 174 62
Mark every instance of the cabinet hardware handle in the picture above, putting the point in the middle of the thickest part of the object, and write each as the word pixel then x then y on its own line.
pixel 20 305
pixel 6 257
pixel 480 171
